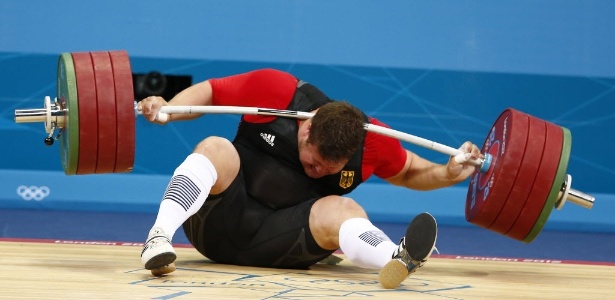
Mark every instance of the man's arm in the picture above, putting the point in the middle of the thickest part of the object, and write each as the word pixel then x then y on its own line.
pixel 259 88
pixel 421 174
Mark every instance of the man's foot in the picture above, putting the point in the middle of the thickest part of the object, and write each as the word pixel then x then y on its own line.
pixel 157 251
pixel 164 270
pixel 413 251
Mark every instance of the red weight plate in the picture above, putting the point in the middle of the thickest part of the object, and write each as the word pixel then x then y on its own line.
pixel 88 115
pixel 105 96
pixel 525 177
pixel 124 99
pixel 488 191
pixel 556 188
pixel 542 185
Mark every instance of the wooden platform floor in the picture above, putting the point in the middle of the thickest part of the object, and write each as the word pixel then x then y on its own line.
pixel 47 269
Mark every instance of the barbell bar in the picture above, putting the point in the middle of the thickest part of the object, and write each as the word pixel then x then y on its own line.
pixel 458 155
pixel 512 192
pixel 54 117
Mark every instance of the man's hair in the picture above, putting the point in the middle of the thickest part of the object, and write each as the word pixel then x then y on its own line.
pixel 337 130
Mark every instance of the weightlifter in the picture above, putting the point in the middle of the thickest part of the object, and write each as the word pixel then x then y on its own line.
pixel 273 197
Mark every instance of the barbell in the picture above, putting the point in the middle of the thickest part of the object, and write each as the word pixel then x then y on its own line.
pixel 512 192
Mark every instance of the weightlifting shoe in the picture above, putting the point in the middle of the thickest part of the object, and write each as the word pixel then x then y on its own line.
pixel 413 251
pixel 157 251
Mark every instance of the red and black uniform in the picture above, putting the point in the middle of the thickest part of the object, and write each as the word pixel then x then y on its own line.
pixel 262 219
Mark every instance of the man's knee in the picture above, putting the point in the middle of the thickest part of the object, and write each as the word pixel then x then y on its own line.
pixel 327 216
pixel 212 145
pixel 342 207
pixel 224 158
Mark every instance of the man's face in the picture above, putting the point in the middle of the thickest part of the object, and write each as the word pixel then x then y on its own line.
pixel 313 163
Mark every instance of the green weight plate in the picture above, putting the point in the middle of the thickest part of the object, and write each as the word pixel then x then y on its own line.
pixel 67 98
pixel 555 189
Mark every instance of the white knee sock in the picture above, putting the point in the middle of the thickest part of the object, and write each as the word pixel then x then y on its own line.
pixel 186 192
pixel 364 244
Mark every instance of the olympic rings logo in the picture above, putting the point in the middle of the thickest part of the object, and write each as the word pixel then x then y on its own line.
pixel 33 192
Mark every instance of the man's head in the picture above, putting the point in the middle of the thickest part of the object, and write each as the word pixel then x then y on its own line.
pixel 329 139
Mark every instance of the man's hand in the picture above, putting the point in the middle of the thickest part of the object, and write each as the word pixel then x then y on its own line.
pixel 150 107
pixel 460 171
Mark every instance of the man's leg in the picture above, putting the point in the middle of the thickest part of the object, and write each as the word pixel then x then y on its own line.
pixel 210 168
pixel 239 230
pixel 340 222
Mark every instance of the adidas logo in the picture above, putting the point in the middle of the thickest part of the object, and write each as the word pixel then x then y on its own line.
pixel 269 138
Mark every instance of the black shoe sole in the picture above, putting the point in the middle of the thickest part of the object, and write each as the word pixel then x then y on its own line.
pixel 420 239
pixel 421 236
pixel 160 260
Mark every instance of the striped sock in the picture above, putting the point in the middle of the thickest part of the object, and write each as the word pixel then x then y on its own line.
pixel 186 192
pixel 364 244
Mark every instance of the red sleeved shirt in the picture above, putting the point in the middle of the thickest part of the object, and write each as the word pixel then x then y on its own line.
pixel 268 88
